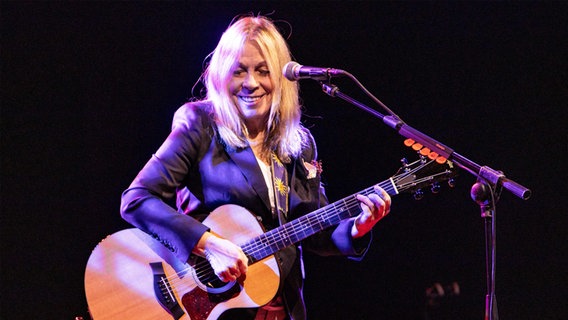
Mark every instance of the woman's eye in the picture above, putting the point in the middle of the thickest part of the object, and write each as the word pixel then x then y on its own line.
pixel 264 72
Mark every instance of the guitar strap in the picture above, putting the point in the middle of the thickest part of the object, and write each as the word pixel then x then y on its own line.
pixel 281 189
pixel 275 310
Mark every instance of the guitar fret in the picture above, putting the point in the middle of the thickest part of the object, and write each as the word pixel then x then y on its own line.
pixel 305 228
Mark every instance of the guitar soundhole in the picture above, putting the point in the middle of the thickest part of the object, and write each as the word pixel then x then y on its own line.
pixel 207 278
pixel 200 302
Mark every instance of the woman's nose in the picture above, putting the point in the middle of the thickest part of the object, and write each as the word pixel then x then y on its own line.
pixel 250 82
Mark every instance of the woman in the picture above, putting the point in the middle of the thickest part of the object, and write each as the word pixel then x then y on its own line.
pixel 227 149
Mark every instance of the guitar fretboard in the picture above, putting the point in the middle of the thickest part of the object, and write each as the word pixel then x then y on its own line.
pixel 297 230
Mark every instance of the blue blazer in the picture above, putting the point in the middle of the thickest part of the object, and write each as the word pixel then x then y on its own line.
pixel 201 173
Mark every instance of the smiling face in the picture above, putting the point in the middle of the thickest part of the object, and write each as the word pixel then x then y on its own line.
pixel 251 87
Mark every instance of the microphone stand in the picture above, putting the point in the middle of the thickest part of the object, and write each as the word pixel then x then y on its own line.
pixel 485 192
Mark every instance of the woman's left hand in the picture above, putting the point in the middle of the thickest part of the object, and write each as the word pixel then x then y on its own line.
pixel 375 207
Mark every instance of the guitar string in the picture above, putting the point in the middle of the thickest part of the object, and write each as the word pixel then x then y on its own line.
pixel 295 225
pixel 203 269
pixel 348 201
pixel 299 223
pixel 309 219
pixel 298 226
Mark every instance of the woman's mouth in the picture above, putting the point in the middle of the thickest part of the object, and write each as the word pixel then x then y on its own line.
pixel 250 99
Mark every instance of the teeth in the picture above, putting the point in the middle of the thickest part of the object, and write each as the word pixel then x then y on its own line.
pixel 250 99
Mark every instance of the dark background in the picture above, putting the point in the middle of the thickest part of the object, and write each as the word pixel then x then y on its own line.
pixel 89 90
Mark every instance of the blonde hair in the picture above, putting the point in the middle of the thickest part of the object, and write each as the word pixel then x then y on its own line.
pixel 284 134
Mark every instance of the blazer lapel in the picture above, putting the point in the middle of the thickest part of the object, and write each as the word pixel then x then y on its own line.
pixel 247 163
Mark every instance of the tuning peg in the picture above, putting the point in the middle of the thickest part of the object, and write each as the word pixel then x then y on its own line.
pixel 452 182
pixel 435 188
pixel 405 164
pixel 418 194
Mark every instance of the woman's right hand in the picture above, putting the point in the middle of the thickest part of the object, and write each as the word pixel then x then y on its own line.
pixel 227 259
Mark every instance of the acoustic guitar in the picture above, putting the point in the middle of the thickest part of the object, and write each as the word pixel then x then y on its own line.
pixel 130 275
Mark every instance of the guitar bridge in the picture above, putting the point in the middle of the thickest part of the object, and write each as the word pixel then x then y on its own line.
pixel 164 293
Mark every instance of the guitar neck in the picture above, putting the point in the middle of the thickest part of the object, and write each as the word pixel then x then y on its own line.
pixel 297 230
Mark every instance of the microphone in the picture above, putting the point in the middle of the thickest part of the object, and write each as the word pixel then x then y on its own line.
pixel 294 71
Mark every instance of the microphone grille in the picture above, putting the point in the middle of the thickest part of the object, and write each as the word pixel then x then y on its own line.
pixel 289 72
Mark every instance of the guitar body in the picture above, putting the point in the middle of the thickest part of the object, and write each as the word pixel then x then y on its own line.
pixel 130 275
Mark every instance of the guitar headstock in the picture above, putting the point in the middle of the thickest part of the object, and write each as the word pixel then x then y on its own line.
pixel 426 172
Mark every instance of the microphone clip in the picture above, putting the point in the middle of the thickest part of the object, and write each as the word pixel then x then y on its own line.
pixel 330 89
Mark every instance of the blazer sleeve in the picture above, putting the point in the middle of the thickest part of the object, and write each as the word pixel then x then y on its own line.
pixel 145 203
